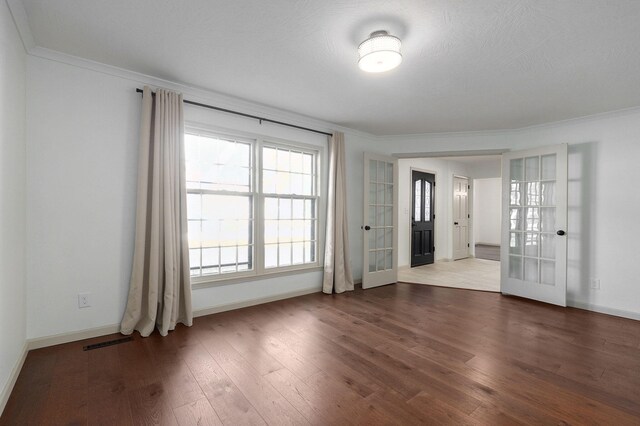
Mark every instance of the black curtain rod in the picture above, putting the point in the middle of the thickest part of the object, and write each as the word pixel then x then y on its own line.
pixel 261 119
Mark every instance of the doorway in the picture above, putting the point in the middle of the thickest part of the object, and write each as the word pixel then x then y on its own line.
pixel 422 218
pixel 451 260
pixel 486 213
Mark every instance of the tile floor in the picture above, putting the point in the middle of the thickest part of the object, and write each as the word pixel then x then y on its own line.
pixel 469 273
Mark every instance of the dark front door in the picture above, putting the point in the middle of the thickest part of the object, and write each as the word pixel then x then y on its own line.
pixel 422 218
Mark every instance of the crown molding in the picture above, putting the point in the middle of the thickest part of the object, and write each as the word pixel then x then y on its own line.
pixel 520 130
pixel 194 93
pixel 19 15
pixel 445 154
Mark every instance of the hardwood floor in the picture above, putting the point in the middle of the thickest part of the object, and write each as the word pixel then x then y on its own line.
pixel 487 251
pixel 400 354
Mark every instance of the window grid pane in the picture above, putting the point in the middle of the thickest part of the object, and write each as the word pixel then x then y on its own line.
pixel 290 232
pixel 288 171
pixel 532 219
pixel 220 224
pixel 381 214
pixel 218 164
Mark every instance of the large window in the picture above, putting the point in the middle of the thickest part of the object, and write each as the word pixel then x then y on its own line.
pixel 252 205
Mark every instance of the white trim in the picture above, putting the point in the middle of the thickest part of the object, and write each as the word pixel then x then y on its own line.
pixel 13 377
pixel 252 302
pixel 19 15
pixel 516 130
pixel 72 336
pixel 440 154
pixel 604 310
pixel 206 282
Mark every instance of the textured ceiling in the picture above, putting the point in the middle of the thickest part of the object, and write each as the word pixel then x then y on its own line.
pixel 468 64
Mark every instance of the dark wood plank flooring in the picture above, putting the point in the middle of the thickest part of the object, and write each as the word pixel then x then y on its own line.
pixel 487 251
pixel 400 354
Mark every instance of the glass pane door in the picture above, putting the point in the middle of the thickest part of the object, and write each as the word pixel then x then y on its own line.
pixel 379 229
pixel 380 215
pixel 534 224
pixel 532 219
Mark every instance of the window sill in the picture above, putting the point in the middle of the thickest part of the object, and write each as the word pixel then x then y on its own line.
pixel 206 282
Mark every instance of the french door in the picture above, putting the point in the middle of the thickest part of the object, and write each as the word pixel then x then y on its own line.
pixel 534 212
pixel 380 261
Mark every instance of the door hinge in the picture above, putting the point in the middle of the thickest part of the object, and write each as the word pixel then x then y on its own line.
pixel 468 186
pixel 434 184
pixel 468 216
pixel 434 249
pixel 468 245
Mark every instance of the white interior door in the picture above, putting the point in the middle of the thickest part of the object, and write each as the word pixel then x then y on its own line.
pixel 380 261
pixel 460 217
pixel 534 223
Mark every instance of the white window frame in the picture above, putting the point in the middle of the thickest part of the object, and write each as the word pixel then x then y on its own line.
pixel 258 141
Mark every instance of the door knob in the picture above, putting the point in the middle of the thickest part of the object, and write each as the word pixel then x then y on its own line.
pixel 455 223
pixel 561 232
pixel 366 227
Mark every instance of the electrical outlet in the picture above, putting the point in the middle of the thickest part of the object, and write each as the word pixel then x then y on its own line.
pixel 83 300
pixel 595 283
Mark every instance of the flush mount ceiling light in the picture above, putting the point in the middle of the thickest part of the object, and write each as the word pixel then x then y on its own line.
pixel 380 52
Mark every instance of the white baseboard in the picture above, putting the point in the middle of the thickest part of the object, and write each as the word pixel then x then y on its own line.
pixel 72 336
pixel 604 309
pixel 253 302
pixel 13 377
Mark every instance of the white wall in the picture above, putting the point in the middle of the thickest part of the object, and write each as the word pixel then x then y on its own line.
pixel 12 200
pixel 487 202
pixel 603 156
pixel 81 152
pixel 82 156
pixel 485 169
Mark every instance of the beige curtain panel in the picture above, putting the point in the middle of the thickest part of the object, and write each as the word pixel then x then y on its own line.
pixel 160 291
pixel 337 266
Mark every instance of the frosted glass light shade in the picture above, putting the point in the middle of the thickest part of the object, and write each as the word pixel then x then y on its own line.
pixel 380 52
